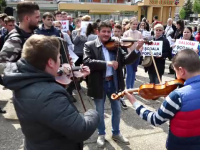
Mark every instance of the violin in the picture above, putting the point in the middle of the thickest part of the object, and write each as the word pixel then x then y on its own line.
pixel 152 91
pixel 124 43
pixel 65 74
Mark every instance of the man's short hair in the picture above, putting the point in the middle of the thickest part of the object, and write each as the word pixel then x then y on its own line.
pixel 104 24
pixel 3 16
pixel 38 49
pixel 47 14
pixel 118 26
pixel 9 19
pixel 64 13
pixel 156 17
pixel 26 8
pixel 188 59
pixel 57 12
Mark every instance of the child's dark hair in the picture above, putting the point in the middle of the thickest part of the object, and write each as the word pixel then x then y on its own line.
pixel 90 28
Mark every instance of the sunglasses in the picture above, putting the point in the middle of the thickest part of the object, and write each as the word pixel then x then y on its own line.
pixel 159 30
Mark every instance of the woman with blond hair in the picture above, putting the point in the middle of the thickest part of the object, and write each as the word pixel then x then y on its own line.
pixel 132 68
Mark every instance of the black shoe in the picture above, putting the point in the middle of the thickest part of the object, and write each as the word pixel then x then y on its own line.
pixel 123 104
pixel 2 111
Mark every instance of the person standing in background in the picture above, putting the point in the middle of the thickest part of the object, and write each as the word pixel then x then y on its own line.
pixel 132 68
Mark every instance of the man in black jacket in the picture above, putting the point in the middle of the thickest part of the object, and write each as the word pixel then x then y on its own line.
pixel 106 77
pixel 49 120
pixel 47 27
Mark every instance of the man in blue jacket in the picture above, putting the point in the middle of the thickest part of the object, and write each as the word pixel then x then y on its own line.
pixel 47 27
pixel 181 107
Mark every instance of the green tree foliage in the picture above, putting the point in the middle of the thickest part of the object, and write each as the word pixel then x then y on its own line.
pixel 182 13
pixel 196 6
pixel 188 8
pixel 2 4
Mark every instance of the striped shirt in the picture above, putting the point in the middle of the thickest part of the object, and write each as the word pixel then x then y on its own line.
pixel 167 110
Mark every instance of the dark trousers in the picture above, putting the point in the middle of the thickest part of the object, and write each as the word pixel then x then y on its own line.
pixel 154 78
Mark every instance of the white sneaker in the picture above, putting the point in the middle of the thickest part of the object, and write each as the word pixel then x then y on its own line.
pixel 101 141
pixel 120 139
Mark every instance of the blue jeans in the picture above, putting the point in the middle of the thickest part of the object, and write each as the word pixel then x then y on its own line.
pixel 130 71
pixel 109 89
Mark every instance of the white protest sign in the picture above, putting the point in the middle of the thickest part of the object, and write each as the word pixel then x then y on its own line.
pixel 156 49
pixel 73 56
pixel 184 44
pixel 146 34
pixel 65 25
pixel 84 25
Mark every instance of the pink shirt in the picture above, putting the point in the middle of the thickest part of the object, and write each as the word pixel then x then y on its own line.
pixel 135 35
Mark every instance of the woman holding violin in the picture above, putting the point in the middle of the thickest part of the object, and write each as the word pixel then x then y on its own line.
pixel 132 68
pixel 159 60
pixel 181 107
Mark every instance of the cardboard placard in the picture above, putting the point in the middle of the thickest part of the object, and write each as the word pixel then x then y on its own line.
pixel 155 48
pixel 146 34
pixel 65 25
pixel 84 25
pixel 184 44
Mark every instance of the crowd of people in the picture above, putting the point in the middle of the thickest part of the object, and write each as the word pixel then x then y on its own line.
pixel 33 52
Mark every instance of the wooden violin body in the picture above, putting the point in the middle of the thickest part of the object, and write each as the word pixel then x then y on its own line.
pixel 152 91
pixel 65 77
pixel 124 43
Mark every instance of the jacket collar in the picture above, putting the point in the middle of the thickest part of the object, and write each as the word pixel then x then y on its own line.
pixel 192 80
pixel 51 29
pixel 98 42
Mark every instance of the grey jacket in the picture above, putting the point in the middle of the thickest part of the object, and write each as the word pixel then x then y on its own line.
pixel 49 120
pixel 94 58
pixel 79 41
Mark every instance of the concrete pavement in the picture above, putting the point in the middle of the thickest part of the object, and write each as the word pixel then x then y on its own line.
pixel 142 135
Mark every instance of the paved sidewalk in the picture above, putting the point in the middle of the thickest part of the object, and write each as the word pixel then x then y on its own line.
pixel 142 135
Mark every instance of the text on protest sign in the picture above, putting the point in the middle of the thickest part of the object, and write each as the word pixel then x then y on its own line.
pixel 155 48
pixel 65 25
pixel 146 34
pixel 184 44
pixel 84 25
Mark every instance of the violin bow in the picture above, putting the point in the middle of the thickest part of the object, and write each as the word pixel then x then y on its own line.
pixel 68 59
pixel 155 67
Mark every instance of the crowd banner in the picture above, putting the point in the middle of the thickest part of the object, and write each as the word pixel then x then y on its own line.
pixel 184 44
pixel 84 25
pixel 65 25
pixel 156 49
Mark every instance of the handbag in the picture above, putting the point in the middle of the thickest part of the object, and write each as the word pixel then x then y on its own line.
pixel 147 61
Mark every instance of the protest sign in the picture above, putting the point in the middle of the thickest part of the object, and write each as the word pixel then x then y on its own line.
pixel 155 48
pixel 65 25
pixel 84 25
pixel 184 44
pixel 146 34
pixel 73 56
